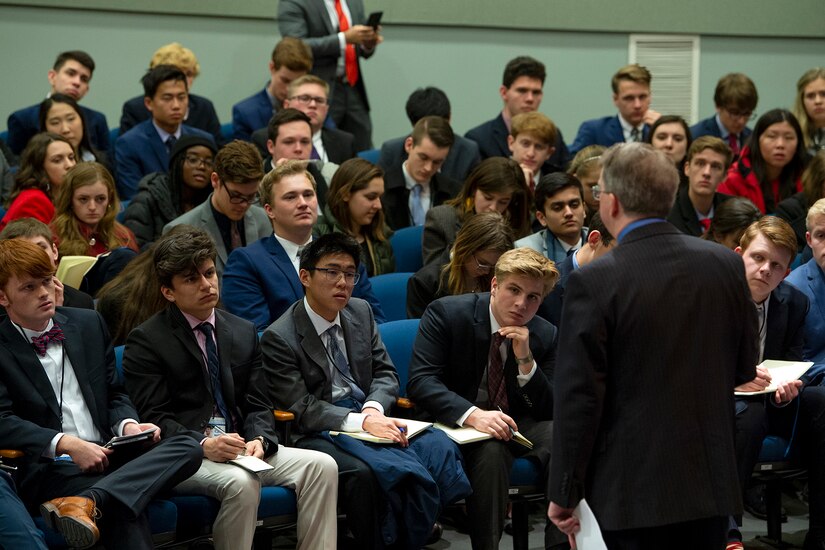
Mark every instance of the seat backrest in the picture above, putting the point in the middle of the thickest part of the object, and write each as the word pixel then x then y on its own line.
pixel 399 337
pixel 391 291
pixel 371 155
pixel 406 247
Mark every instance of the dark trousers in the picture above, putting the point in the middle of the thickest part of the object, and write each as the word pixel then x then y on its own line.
pixel 701 534
pixel 488 465
pixel 350 113
pixel 131 481
pixel 17 530
pixel 359 494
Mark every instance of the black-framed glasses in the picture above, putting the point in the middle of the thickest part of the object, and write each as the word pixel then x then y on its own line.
pixel 333 275
pixel 307 99
pixel 194 161
pixel 240 198
pixel 483 268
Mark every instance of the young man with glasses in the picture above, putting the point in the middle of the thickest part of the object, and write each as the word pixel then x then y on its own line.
pixel 560 210
pixel 261 280
pixel 231 215
pixel 310 95
pixel 325 362
pixel 735 99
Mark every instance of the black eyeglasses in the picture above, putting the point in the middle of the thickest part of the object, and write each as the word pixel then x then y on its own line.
pixel 333 275
pixel 240 198
pixel 307 99
pixel 194 161
pixel 747 115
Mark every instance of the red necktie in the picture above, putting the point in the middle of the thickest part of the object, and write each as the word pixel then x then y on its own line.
pixel 705 223
pixel 496 388
pixel 350 62
pixel 40 343
pixel 734 144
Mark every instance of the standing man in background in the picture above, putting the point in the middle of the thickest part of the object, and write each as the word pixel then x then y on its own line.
pixel 335 31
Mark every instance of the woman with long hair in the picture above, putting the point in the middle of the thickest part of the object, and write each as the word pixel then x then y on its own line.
pixel 794 209
pixel 467 267
pixel 587 166
pixel 60 114
pixel 85 210
pixel 163 197
pixel 43 165
pixel 354 208
pixel 809 108
pixel 770 165
pixel 497 184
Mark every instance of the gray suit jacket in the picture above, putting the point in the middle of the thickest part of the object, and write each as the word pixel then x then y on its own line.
pixel 297 370
pixel 440 228
pixel 256 226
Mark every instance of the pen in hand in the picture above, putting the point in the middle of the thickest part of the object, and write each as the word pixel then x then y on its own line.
pixel 217 431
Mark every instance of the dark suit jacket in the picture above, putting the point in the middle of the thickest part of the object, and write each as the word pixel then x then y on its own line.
pixel 441 226
pixel 810 280
pixel 298 372
pixel 253 113
pixel 310 22
pixel 451 353
pixel 463 157
pixel 259 283
pixel 645 377
pixel 337 143
pixel 140 152
pixel 785 338
pixel 708 127
pixel 201 115
pixel 491 138
pixel 794 210
pixel 601 131
pixel 551 307
pixel 29 410
pixel 25 123
pixel 683 214
pixel 396 197
pixel 169 381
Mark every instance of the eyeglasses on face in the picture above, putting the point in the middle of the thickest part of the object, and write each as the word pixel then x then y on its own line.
pixel 240 198
pixel 483 268
pixel 333 275
pixel 307 99
pixel 194 161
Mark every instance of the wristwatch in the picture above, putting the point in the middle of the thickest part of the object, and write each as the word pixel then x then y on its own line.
pixel 525 360
pixel 264 443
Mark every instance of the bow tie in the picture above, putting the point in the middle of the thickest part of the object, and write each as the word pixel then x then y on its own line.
pixel 41 342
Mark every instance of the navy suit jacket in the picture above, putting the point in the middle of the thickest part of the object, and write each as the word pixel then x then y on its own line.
pixel 463 157
pixel 253 113
pixel 491 138
pixel 25 123
pixel 605 131
pixel 450 358
pixel 140 152
pixel 708 127
pixel 201 115
pixel 810 280
pixel 260 283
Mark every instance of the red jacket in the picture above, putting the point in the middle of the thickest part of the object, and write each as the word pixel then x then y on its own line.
pixel 31 203
pixel 741 181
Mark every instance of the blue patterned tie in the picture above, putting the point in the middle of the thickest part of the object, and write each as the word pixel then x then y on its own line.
pixel 170 144
pixel 417 208
pixel 341 363
pixel 215 374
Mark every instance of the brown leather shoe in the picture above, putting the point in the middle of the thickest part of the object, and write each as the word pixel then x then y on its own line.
pixel 74 518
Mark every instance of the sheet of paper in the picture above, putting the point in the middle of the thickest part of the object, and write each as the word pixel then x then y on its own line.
pixel 414 427
pixel 590 536
pixel 781 371
pixel 251 463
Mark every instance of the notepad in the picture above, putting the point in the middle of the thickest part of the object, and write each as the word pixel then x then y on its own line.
pixel 124 441
pixel 414 427
pixel 781 371
pixel 250 463
pixel 465 435
pixel 72 269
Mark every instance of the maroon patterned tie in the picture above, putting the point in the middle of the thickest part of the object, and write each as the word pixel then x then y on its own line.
pixel 496 388
pixel 41 342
